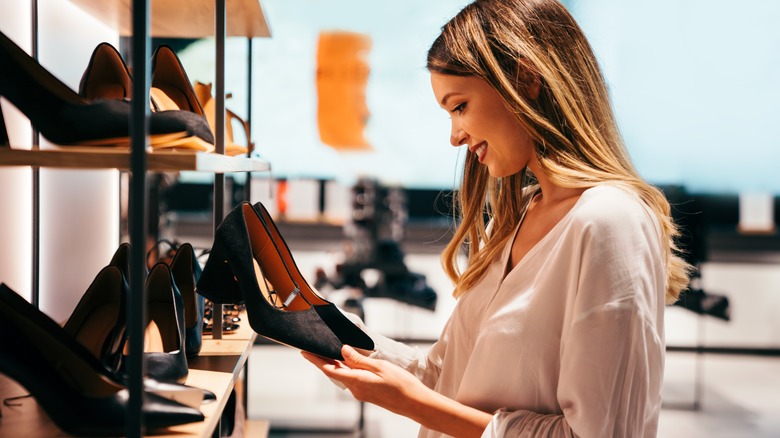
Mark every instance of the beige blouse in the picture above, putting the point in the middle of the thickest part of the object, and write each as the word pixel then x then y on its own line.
pixel 571 341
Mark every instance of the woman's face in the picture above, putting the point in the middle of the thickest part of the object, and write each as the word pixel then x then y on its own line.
pixel 481 121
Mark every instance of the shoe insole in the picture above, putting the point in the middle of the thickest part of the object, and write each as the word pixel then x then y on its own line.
pixel 154 139
pixel 153 342
pixel 169 98
pixel 266 288
pixel 287 258
pixel 270 272
pixel 96 328
pixel 107 91
pixel 190 144
pixel 162 319
pixel 157 339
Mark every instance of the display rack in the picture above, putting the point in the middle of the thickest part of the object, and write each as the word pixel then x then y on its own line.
pixel 116 158
pixel 216 369
pixel 221 360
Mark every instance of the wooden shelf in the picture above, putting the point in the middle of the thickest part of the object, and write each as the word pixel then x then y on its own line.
pixel 182 18
pixel 116 158
pixel 216 369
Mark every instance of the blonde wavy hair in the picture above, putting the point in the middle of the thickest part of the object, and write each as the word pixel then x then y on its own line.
pixel 509 44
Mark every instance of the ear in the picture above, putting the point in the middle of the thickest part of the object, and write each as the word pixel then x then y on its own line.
pixel 528 79
pixel 533 88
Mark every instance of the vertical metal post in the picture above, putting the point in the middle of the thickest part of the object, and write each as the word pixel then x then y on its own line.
pixel 248 180
pixel 698 378
pixel 36 185
pixel 139 128
pixel 249 64
pixel 219 139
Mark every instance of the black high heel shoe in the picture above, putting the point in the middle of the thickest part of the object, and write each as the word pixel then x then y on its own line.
pixel 4 142
pixel 346 331
pixel 98 321
pixel 172 90
pixel 170 84
pixel 164 353
pixel 186 271
pixel 106 76
pixel 68 383
pixel 244 267
pixel 170 305
pixel 63 117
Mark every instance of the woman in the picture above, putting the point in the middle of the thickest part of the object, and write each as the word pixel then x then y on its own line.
pixel 558 330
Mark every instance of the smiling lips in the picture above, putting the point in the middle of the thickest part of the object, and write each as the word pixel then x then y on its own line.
pixel 479 149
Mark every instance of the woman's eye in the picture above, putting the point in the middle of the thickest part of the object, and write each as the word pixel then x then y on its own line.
pixel 459 109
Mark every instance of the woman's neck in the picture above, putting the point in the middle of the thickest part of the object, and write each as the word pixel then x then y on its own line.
pixel 550 193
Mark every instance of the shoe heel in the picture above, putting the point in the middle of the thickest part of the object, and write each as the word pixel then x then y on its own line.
pixel 4 143
pixel 217 281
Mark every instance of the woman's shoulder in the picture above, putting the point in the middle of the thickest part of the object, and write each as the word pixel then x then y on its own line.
pixel 613 206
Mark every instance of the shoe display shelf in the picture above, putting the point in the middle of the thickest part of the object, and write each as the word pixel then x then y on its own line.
pixel 216 368
pixel 221 360
pixel 169 19
pixel 118 158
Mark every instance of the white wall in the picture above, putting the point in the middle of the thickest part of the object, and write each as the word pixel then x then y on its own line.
pixel 695 87
pixel 79 225
pixel 16 182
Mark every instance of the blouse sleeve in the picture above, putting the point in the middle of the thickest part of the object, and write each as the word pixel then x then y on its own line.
pixel 612 348
pixel 424 366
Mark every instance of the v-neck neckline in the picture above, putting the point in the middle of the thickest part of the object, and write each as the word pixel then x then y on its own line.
pixel 507 256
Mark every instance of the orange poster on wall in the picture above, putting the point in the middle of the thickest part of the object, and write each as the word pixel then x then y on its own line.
pixel 342 76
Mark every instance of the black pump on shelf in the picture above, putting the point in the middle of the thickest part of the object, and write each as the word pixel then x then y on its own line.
pixel 687 214
pixel 698 301
pixel 378 218
pixel 66 118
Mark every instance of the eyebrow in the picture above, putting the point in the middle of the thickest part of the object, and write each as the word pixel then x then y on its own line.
pixel 447 96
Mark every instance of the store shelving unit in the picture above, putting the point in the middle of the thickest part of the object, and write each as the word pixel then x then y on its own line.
pixel 183 18
pixel 216 369
pixel 221 360
pixel 117 158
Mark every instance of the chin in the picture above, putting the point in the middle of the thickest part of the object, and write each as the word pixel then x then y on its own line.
pixel 502 173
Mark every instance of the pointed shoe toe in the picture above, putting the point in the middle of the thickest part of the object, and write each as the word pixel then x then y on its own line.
pixel 244 267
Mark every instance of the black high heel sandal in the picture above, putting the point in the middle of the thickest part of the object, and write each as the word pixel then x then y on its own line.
pixel 244 267
pixel 65 118
pixel 346 331
pixel 68 383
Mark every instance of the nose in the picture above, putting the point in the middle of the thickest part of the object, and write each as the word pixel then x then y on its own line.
pixel 458 137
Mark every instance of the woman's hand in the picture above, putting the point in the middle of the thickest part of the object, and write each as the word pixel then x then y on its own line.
pixel 395 389
pixel 373 380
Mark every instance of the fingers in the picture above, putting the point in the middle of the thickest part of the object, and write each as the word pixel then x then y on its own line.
pixel 362 351
pixel 354 367
pixel 356 360
pixel 319 361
